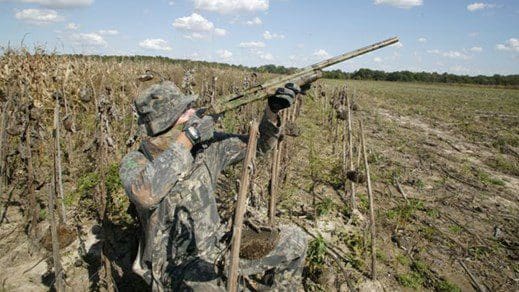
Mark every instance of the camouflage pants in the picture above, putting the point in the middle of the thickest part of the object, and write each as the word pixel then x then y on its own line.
pixel 284 263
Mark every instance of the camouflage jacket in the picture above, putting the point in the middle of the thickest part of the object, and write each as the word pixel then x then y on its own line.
pixel 173 191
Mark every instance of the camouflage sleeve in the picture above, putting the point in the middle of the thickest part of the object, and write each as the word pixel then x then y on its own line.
pixel 269 130
pixel 147 182
pixel 231 148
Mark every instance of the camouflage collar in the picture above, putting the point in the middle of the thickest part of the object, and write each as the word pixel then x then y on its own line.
pixel 151 147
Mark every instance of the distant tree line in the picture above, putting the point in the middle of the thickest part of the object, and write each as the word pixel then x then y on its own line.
pixel 361 74
pixel 404 76
pixel 274 69
pixel 407 76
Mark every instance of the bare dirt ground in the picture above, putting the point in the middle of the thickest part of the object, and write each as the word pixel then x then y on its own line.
pixel 456 228
pixel 460 216
pixel 479 218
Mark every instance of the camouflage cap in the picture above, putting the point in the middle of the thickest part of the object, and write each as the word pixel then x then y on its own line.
pixel 160 106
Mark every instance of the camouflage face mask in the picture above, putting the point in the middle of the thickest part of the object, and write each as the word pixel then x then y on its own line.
pixel 160 106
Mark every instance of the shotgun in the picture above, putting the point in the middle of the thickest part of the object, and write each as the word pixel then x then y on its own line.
pixel 301 77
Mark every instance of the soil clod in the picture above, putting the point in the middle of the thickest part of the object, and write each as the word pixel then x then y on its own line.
pixel 256 245
pixel 356 176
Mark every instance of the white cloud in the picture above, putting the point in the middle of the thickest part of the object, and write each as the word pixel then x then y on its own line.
pixel 265 56
pixel 232 6
pixel 171 3
pixel 397 45
pixel 224 54
pixel 194 22
pixel 220 31
pixel 197 27
pixel 377 59
pixel 109 32
pixel 155 44
pixel 450 54
pixel 459 69
pixel 38 16
pixel 321 54
pixel 510 45
pixel 479 6
pixel 254 21
pixel 476 49
pixel 422 40
pixel 404 4
pixel 455 55
pixel 473 34
pixel 194 56
pixel 251 45
pixel 60 3
pixel 88 39
pixel 270 36
pixel 196 36
pixel 72 26
pixel 297 60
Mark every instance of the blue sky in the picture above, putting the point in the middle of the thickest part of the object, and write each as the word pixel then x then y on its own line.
pixel 456 36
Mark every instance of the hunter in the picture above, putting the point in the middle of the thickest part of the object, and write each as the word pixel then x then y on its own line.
pixel 172 179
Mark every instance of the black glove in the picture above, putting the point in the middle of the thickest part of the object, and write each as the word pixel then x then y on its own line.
pixel 305 88
pixel 199 129
pixel 284 97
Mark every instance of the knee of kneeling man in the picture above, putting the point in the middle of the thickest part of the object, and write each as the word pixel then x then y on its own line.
pixel 296 238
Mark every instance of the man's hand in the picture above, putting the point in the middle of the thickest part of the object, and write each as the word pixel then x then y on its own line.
pixel 284 97
pixel 199 129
